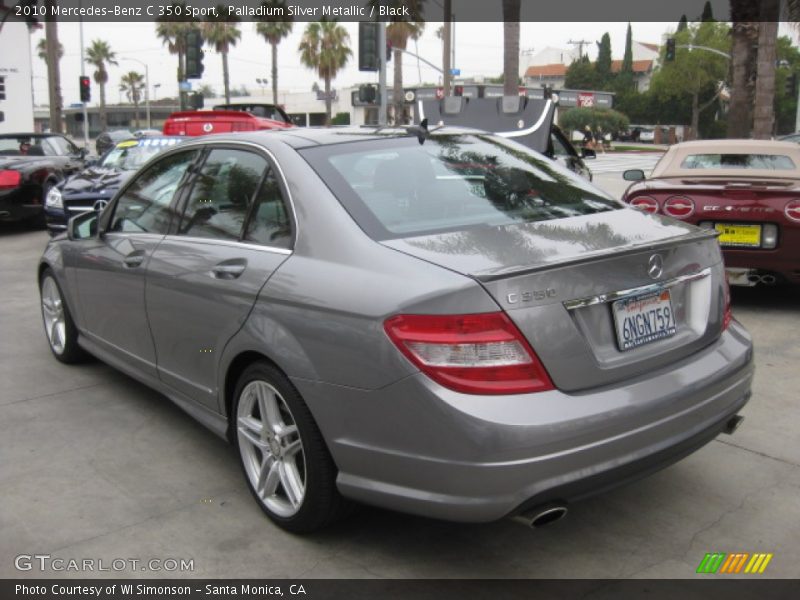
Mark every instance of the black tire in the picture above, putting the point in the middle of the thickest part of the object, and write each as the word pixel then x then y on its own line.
pixel 321 504
pixel 71 352
pixel 39 221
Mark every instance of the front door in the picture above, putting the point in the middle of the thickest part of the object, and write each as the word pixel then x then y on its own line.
pixel 110 268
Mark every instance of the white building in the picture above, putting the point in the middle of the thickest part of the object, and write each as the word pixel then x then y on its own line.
pixel 16 95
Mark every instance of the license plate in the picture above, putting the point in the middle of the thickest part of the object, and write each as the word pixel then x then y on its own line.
pixel 643 319
pixel 743 236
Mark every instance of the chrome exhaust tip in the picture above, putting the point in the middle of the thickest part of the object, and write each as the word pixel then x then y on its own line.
pixel 540 516
pixel 733 424
pixel 769 279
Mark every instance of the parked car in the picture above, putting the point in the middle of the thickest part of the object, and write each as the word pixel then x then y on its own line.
pixel 745 190
pixel 227 118
pixel 444 323
pixel 92 188
pixel 108 139
pixel 792 137
pixel 31 164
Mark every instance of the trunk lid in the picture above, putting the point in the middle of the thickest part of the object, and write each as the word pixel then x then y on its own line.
pixel 558 281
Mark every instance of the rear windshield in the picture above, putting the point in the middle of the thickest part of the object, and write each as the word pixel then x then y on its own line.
pixel 770 162
pixel 398 187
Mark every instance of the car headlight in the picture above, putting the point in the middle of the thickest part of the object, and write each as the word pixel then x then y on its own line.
pixel 53 199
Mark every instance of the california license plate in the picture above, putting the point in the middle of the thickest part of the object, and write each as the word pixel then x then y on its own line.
pixel 743 236
pixel 643 319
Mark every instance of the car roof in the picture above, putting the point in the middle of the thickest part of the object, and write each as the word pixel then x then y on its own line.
pixel 305 137
pixel 29 134
pixel 670 163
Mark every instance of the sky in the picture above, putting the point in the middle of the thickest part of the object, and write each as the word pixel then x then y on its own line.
pixel 479 51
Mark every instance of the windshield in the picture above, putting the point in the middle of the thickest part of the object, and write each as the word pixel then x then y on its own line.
pixel 399 188
pixel 132 154
pixel 772 162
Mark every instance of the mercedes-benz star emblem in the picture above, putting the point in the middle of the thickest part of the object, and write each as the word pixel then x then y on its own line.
pixel 655 266
pixel 100 205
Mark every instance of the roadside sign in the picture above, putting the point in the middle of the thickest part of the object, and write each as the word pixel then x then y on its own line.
pixel 455 72
pixel 185 86
pixel 585 100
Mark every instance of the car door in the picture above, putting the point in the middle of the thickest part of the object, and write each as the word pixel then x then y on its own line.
pixel 110 268
pixel 70 155
pixel 203 280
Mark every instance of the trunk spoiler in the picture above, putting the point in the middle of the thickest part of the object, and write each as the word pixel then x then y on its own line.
pixel 522 119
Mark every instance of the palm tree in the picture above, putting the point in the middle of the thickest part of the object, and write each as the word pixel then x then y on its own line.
pixel 511 10
pixel 273 32
pixel 53 47
pixel 132 84
pixel 172 30
pixel 764 105
pixel 221 34
pixel 398 32
pixel 325 48
pixel 99 54
pixel 41 50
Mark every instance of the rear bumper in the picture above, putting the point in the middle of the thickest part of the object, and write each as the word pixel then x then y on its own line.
pixel 783 262
pixel 416 447
pixel 16 206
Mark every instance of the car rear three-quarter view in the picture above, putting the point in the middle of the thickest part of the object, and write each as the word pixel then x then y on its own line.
pixel 443 323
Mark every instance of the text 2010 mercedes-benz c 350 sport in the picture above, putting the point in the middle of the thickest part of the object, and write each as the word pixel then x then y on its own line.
pixel 443 323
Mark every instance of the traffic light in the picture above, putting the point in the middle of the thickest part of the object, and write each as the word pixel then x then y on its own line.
pixel 669 55
pixel 197 101
pixel 194 55
pixel 86 88
pixel 791 85
pixel 367 94
pixel 368 46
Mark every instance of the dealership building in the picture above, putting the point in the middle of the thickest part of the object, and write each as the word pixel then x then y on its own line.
pixel 16 93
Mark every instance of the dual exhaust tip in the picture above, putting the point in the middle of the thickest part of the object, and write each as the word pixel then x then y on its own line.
pixel 539 516
pixel 755 278
pixel 544 514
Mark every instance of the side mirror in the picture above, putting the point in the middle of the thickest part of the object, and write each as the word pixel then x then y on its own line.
pixel 633 175
pixel 83 152
pixel 82 226
pixel 588 153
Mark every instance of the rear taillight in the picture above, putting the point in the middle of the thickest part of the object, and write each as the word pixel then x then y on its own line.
pixel 481 353
pixel 679 207
pixel 10 179
pixel 646 204
pixel 242 126
pixel 174 129
pixel 727 314
pixel 792 210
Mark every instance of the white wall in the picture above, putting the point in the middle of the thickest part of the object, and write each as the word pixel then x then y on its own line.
pixel 15 68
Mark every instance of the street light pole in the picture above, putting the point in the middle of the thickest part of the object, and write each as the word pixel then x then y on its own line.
pixel 382 72
pixel 146 88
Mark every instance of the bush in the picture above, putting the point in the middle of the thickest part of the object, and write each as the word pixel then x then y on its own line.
pixel 610 120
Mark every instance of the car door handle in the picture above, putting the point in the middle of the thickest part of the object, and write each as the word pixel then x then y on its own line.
pixel 229 269
pixel 134 259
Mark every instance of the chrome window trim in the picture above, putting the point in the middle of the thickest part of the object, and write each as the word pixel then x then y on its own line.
pixel 644 289
pixel 231 243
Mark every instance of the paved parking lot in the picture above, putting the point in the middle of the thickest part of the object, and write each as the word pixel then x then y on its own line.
pixel 95 465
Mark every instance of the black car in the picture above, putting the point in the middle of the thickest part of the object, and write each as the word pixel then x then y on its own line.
pixel 92 188
pixel 31 164
pixel 108 139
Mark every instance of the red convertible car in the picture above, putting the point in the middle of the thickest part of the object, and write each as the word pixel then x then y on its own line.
pixel 748 190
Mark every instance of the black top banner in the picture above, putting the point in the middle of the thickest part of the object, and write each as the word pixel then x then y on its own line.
pixel 562 11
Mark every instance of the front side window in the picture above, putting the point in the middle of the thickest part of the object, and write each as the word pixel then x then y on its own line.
pixel 223 194
pixel 144 207
pixel 399 188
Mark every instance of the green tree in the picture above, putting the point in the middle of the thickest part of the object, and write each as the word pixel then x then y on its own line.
pixel 132 84
pixel 325 47
pixel 610 120
pixel 695 74
pixel 786 101
pixel 603 64
pixel 708 13
pixel 99 54
pixel 683 23
pixel 221 34
pixel 206 91
pixel 581 75
pixel 172 30
pixel 41 50
pixel 624 81
pixel 273 32
pixel 511 12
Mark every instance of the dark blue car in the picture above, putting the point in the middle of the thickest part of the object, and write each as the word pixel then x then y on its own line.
pixel 92 188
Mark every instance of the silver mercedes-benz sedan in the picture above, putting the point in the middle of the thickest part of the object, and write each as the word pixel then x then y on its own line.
pixel 438 322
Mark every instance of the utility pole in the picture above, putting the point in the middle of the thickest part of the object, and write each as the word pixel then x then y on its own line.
pixel 446 41
pixel 83 74
pixel 382 73
pixel 580 44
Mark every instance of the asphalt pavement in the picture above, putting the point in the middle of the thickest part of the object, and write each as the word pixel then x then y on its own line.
pixel 94 465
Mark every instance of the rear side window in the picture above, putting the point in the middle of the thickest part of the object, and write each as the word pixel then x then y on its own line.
pixel 236 196
pixel 400 188
pixel 769 162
